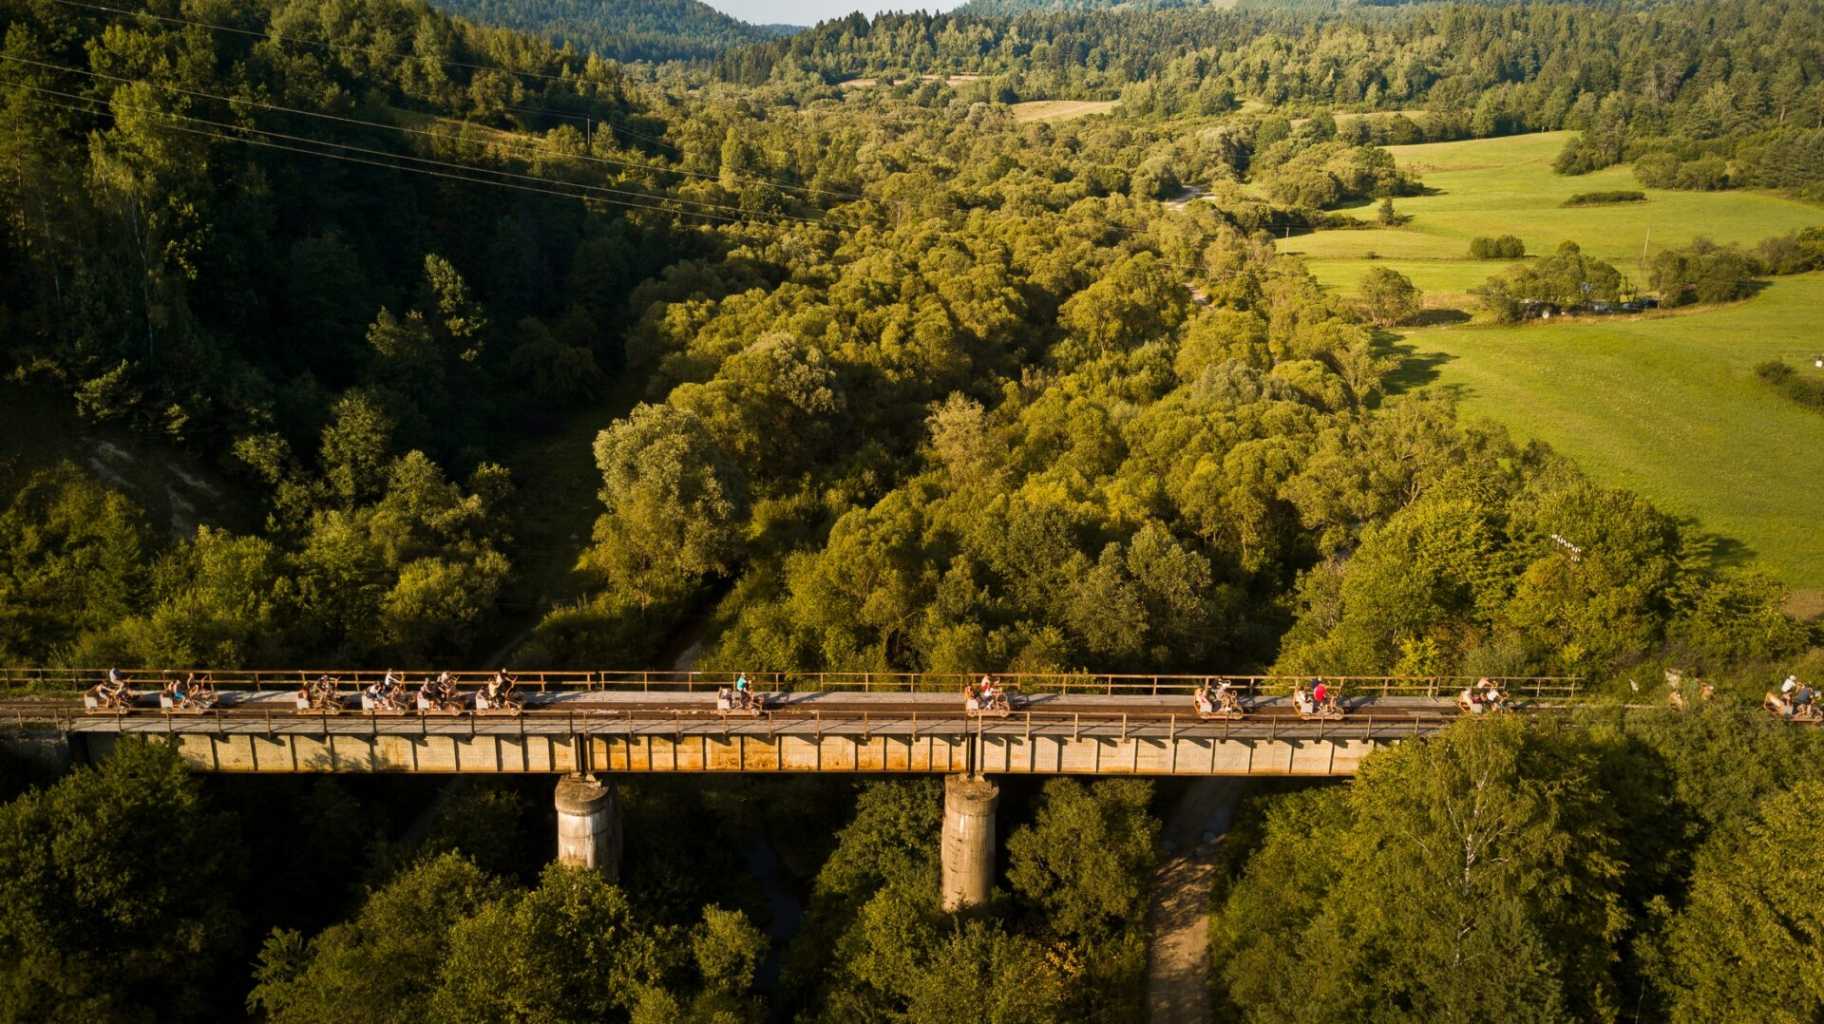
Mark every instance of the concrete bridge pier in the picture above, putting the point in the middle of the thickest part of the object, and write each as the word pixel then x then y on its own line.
pixel 588 825
pixel 968 852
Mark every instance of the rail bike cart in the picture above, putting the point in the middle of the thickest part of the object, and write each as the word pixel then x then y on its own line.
pixel 741 703
pixel 1483 698
pixel 1792 710
pixel 322 697
pixel 1313 711
pixel 380 699
pixel 192 696
pixel 503 701
pixel 987 702
pixel 1217 703
pixel 440 697
pixel 109 699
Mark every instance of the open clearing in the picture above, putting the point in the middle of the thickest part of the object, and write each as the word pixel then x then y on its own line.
pixel 1666 405
pixel 1506 186
pixel 1669 406
pixel 1059 110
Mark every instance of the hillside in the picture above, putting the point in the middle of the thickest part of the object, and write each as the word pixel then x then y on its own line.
pixel 622 30
pixel 996 8
pixel 1714 444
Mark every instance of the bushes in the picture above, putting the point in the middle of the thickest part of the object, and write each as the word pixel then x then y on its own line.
pixel 1792 254
pixel 1322 175
pixel 1504 247
pixel 1805 390
pixel 1565 278
pixel 1702 272
pixel 1610 198
pixel 1705 173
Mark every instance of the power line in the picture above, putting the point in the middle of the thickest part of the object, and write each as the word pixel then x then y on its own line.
pixel 394 167
pixel 613 127
pixel 920 204
pixel 524 148
pixel 425 160
pixel 902 204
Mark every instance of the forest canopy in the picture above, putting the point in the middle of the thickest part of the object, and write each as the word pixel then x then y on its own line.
pixel 354 333
pixel 620 30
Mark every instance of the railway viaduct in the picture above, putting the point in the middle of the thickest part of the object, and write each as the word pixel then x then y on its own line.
pixel 587 728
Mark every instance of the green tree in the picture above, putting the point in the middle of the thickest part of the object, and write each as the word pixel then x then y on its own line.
pixel 1748 944
pixel 675 504
pixel 1473 876
pixel 1388 297
pixel 72 559
pixel 117 893
pixel 357 444
pixel 222 602
pixel 1137 300
pixel 1087 858
pixel 772 407
pixel 571 949
pixel 383 965
pixel 982 972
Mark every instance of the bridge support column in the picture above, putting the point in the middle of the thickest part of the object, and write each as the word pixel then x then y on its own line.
pixel 968 853
pixel 588 825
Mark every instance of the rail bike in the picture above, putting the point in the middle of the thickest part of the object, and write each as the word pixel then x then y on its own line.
pixel 1218 704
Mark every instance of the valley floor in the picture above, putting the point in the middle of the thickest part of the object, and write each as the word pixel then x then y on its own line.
pixel 1667 405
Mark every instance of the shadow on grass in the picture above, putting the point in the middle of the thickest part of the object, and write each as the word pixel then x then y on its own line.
pixel 1714 549
pixel 1439 318
pixel 1412 369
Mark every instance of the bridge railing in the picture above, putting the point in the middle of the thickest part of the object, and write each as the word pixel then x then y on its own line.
pixel 678 722
pixel 1537 688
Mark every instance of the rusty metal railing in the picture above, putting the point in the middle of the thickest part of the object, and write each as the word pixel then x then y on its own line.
pixel 1537 688
pixel 601 721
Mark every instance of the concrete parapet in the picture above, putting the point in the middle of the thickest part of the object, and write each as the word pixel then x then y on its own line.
pixel 588 825
pixel 968 851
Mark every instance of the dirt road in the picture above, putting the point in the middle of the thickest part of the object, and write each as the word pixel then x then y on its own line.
pixel 1177 955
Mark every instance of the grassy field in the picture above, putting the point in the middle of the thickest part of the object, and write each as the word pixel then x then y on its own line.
pixel 1669 406
pixel 1060 110
pixel 1506 186
pixel 1666 405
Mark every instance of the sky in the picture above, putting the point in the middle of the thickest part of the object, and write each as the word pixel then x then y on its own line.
pixel 809 12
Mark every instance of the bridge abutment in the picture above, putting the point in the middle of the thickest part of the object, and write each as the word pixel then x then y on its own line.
pixel 968 850
pixel 588 825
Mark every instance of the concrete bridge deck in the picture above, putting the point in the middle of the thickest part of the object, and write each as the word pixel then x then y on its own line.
pixel 585 732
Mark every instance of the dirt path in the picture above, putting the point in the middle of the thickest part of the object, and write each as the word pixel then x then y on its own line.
pixel 1177 954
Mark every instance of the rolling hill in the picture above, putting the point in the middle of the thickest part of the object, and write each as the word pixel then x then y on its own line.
pixel 622 30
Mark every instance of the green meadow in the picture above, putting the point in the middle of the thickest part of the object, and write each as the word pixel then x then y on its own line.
pixel 1670 406
pixel 1506 186
pixel 1665 404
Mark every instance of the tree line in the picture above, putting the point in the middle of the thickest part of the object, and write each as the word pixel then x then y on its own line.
pixel 620 30
pixel 1709 94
